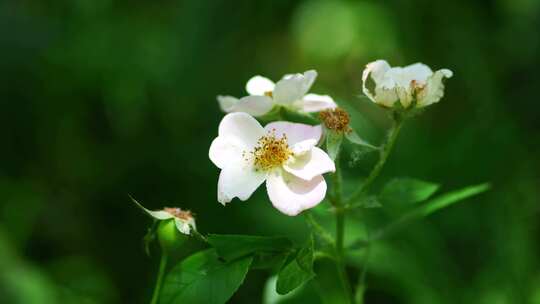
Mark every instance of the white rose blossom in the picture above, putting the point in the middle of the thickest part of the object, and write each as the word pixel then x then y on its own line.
pixel 290 91
pixel 415 84
pixel 283 154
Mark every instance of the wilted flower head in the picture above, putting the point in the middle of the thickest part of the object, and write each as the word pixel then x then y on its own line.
pixel 414 85
pixel 183 219
pixel 336 120
pixel 283 154
pixel 290 91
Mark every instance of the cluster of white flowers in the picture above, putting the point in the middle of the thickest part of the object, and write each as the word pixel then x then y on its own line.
pixel 285 154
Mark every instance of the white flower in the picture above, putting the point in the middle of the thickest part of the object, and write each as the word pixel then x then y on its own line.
pixel 283 154
pixel 290 91
pixel 183 219
pixel 414 84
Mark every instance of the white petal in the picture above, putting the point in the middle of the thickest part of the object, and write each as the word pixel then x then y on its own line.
pixel 317 103
pixel 303 147
pixel 418 72
pixel 309 79
pixel 293 87
pixel 386 97
pixel 226 103
pixel 292 195
pixel 226 150
pixel 182 226
pixel 239 181
pixel 242 127
pixel 434 89
pixel 253 105
pixel 295 132
pixel 376 71
pixel 308 165
pixel 259 85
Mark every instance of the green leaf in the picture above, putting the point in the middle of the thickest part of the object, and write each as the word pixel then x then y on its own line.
pixel 354 138
pixel 333 143
pixel 298 271
pixel 273 261
pixel 203 278
pixel 368 202
pixel 429 207
pixel 330 286
pixel 230 246
pixel 407 191
pixel 450 198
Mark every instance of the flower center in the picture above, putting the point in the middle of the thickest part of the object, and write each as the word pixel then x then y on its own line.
pixel 271 151
pixel 179 213
pixel 269 94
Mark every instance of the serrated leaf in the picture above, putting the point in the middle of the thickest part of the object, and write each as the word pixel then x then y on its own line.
pixel 298 271
pixel 203 278
pixel 230 246
pixel 452 197
pixel 354 138
pixel 407 191
pixel 333 143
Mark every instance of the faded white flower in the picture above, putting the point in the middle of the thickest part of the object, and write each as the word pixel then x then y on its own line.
pixel 183 219
pixel 283 154
pixel 414 85
pixel 291 91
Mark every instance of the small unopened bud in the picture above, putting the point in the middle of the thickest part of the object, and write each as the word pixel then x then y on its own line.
pixel 336 120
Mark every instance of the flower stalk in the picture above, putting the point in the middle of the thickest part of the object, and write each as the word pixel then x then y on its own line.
pixel 383 156
pixel 159 280
pixel 340 229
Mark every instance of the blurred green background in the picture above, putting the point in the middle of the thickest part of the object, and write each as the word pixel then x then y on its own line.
pixel 101 99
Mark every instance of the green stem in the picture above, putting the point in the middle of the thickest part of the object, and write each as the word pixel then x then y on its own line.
pixel 319 230
pixel 340 229
pixel 384 153
pixel 161 274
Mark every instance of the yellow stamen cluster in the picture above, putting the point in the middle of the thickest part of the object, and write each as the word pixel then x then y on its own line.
pixel 336 119
pixel 271 151
pixel 269 94
pixel 179 213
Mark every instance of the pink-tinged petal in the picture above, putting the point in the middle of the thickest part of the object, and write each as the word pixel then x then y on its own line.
pixel 226 103
pixel 292 195
pixel 238 181
pixel 308 165
pixel 259 85
pixel 253 105
pixel 295 132
pixel 241 126
pixel 317 103
pixel 226 150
